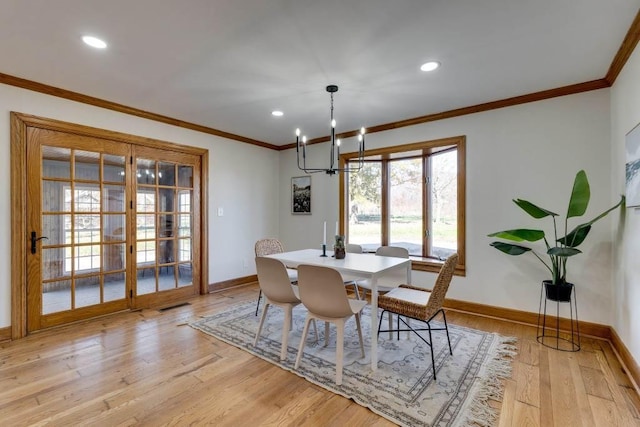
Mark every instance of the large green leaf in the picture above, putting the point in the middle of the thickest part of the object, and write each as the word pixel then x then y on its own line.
pixel 578 234
pixel 563 252
pixel 580 195
pixel 510 249
pixel 603 214
pixel 533 210
pixel 519 235
pixel 576 237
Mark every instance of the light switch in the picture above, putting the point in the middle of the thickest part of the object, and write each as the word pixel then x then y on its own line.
pixel 220 212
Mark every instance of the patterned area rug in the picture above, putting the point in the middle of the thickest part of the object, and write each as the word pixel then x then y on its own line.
pixel 402 389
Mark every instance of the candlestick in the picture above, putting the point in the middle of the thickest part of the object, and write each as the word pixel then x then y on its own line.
pixel 324 234
pixel 336 228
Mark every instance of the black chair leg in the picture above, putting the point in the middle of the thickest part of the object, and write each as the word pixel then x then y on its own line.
pixel 433 361
pixel 258 304
pixel 380 322
pixel 446 328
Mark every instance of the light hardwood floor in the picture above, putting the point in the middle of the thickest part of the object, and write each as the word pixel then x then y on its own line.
pixel 149 368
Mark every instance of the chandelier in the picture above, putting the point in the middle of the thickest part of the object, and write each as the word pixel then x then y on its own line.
pixel 334 150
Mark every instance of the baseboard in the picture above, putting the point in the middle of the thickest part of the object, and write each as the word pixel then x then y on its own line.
pixel 586 328
pixel 5 334
pixel 240 281
pixel 625 356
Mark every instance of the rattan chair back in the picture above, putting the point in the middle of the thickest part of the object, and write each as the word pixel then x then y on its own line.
pixel 442 285
pixel 268 246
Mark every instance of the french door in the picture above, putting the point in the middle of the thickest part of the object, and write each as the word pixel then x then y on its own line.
pixel 111 226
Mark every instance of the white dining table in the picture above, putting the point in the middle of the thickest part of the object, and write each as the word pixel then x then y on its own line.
pixel 367 266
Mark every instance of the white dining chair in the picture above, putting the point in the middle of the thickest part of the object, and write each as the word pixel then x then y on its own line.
pixel 323 293
pixel 390 280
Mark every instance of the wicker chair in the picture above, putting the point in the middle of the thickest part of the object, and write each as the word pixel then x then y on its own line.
pixel 419 304
pixel 270 246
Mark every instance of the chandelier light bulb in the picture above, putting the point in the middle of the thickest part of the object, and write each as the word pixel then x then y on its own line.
pixel 304 139
pixel 338 142
pixel 297 132
pixel 333 123
pixel 360 137
pixel 361 131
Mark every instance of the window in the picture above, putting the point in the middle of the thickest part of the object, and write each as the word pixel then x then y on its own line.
pixel 411 196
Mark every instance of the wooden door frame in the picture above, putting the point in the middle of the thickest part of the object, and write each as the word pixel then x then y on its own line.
pixel 19 233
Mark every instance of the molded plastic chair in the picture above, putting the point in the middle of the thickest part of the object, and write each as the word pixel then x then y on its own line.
pixel 420 304
pixel 277 289
pixel 392 278
pixel 323 293
pixel 352 248
pixel 270 246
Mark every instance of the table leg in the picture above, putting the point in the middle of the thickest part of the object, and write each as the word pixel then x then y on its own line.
pixel 374 323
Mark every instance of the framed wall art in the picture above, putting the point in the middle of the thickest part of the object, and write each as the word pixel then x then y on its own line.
pixel 301 195
pixel 632 169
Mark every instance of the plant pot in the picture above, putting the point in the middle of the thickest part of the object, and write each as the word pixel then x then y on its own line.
pixel 560 292
pixel 339 253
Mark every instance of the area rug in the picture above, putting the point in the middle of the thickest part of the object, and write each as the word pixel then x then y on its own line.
pixel 402 389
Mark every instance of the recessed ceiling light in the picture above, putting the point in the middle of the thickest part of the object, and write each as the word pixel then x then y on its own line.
pixel 94 42
pixel 277 113
pixel 430 66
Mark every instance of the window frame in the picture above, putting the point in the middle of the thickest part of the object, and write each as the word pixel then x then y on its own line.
pixel 427 148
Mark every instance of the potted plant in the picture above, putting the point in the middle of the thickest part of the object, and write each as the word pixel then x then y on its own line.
pixel 560 248
pixel 339 250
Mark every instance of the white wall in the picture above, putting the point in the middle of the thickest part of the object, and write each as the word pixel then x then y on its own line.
pixel 243 179
pixel 625 115
pixel 530 151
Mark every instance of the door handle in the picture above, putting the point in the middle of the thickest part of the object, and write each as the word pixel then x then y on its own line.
pixel 34 240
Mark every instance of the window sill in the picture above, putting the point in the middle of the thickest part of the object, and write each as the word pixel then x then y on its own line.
pixel 433 265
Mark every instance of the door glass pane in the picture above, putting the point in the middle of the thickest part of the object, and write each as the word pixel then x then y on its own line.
pixel 166 174
pixel 146 280
pixel 52 200
pixel 146 226
pixel 365 208
pixel 114 287
pixel 113 257
pixel 86 228
pixel 184 249
pixel 146 200
pixel 86 198
pixel 56 296
pixel 185 277
pixel 53 263
pixel 443 206
pixel 56 162
pixel 185 176
pixel 184 225
pixel 53 228
pixel 166 278
pixel 146 252
pixel 166 199
pixel 87 259
pixel 184 201
pixel 165 251
pixel 87 166
pixel 113 198
pixel 146 171
pixel 113 228
pixel 87 291
pixel 113 168
pixel 405 205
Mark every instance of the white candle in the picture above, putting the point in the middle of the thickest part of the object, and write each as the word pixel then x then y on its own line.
pixel 336 228
pixel 324 234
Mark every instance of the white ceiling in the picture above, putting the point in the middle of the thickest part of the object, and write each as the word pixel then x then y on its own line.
pixel 226 64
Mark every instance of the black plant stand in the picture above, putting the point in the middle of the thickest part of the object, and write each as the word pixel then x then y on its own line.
pixel 545 336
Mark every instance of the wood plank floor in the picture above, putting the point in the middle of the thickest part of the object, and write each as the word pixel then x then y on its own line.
pixel 149 368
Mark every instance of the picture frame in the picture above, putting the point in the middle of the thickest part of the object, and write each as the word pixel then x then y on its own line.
pixel 632 167
pixel 301 195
